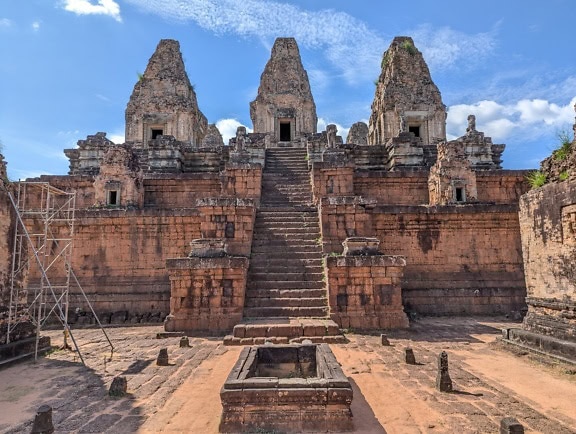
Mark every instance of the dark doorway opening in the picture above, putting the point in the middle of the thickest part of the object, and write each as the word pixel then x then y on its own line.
pixel 156 133
pixel 112 197
pixel 459 194
pixel 285 132
pixel 415 130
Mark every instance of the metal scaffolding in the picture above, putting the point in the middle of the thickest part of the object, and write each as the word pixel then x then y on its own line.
pixel 41 260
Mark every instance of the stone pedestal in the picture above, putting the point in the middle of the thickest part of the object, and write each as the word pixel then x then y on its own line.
pixel 207 293
pixel 365 291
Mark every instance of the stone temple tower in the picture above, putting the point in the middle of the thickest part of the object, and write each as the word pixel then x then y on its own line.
pixel 163 101
pixel 406 98
pixel 284 106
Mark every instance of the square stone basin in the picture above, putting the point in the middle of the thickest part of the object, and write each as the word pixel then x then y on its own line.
pixel 288 388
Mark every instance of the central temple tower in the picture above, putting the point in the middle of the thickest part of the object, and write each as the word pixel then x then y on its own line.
pixel 284 106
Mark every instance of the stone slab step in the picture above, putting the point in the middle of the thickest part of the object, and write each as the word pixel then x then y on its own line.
pixel 285 277
pixel 337 339
pixel 265 261
pixel 285 327
pixel 272 270
pixel 286 302
pixel 286 293
pixel 280 256
pixel 285 284
pixel 312 312
pixel 288 211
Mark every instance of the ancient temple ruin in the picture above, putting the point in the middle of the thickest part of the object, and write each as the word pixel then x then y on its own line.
pixel 288 222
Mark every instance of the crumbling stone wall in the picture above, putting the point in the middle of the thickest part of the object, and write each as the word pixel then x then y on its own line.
pixel 6 233
pixel 548 227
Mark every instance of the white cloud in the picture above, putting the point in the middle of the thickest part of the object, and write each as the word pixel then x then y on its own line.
pixel 350 46
pixel 5 23
pixel 522 119
pixel 322 123
pixel 117 138
pixel 102 7
pixel 445 48
pixel 227 128
pixel 36 26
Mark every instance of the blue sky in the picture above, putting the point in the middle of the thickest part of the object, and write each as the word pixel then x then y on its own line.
pixel 69 66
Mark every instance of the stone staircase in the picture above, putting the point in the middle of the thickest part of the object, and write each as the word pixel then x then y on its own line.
pixel 286 288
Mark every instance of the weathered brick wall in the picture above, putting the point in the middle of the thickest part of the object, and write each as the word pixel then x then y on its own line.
pixel 328 180
pixel 206 293
pixel 501 186
pixel 411 187
pixel 119 255
pixel 364 292
pixel 393 188
pixel 168 191
pixel 460 259
pixel 548 227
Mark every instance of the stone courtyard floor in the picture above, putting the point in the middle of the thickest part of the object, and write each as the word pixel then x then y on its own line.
pixel 389 395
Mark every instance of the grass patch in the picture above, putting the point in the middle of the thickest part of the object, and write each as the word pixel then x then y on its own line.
pixel 409 46
pixel 536 179
pixel 563 176
pixel 565 148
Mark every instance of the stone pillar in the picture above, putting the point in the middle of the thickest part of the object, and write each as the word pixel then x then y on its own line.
pixel 43 421
pixel 443 380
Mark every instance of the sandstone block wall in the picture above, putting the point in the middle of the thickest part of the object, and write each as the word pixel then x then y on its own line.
pixel 181 192
pixel 364 292
pixel 501 186
pixel 394 188
pixel 328 180
pixel 207 293
pixel 460 260
pixel 548 227
pixel 119 255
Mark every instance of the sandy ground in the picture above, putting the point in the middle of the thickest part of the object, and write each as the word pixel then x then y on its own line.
pixel 389 395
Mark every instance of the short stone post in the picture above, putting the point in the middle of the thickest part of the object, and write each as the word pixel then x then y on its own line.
pixel 385 341
pixel 410 359
pixel 119 387
pixel 510 425
pixel 162 359
pixel 184 342
pixel 443 380
pixel 43 421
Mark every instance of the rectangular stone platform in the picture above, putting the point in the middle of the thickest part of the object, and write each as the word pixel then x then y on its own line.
pixel 278 330
pixel 287 388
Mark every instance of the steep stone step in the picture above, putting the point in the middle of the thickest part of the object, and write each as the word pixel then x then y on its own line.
pixel 282 270
pixel 266 261
pixel 285 302
pixel 286 293
pixel 276 255
pixel 312 312
pixel 285 284
pixel 282 277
